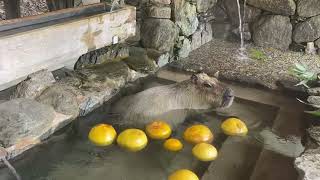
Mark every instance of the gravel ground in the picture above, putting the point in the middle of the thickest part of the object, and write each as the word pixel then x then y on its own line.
pixel 33 7
pixel 219 55
pixel 28 8
pixel 2 15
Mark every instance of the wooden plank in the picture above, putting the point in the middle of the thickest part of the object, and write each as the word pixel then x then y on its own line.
pixel 12 8
pixel 62 44
pixel 51 18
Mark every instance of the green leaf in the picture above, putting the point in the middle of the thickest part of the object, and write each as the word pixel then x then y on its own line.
pixel 314 113
pixel 300 66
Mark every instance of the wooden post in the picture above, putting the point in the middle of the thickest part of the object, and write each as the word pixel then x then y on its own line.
pixel 12 8
pixel 55 5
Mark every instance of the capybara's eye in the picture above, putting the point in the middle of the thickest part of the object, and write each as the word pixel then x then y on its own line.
pixel 207 85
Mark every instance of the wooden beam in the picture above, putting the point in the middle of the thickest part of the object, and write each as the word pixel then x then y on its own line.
pixel 51 18
pixel 12 8
pixel 55 46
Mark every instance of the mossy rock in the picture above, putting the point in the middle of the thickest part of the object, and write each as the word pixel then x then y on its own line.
pixel 100 72
pixel 141 63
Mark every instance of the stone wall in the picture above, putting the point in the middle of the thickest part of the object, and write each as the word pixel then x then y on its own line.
pixel 173 26
pixel 282 24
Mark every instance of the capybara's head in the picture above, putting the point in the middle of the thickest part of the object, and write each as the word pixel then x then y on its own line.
pixel 212 91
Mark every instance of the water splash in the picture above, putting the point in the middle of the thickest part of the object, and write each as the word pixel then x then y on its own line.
pixel 3 154
pixel 242 53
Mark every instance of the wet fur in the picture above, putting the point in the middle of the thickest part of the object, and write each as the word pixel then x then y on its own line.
pixel 171 103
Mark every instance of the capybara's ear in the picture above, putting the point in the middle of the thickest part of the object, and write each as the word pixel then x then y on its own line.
pixel 216 74
pixel 194 78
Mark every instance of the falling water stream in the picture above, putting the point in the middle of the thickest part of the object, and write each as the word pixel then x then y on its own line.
pixel 242 50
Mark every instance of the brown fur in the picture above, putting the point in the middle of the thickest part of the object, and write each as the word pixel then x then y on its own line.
pixel 172 103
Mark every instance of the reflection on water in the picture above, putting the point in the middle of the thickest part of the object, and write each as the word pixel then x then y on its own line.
pixel 73 157
pixel 11 168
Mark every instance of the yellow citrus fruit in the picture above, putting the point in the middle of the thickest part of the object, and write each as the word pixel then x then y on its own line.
pixel 132 139
pixel 234 127
pixel 173 145
pixel 198 134
pixel 205 152
pixel 183 174
pixel 102 135
pixel 158 130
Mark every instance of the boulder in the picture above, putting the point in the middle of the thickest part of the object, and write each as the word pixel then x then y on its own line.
pixel 196 40
pixel 307 31
pixel 163 59
pixel 314 91
pixel 204 5
pixel 167 2
pixel 23 118
pixel 317 43
pixel 162 12
pixel 185 17
pixel 283 7
pixel 273 31
pixel 246 32
pixel 314 133
pixel 118 51
pixel 62 98
pixel 184 47
pixel 308 8
pixel 308 164
pixel 314 100
pixel 160 58
pixel 34 85
pixel 206 34
pixel 231 8
pixel 159 34
pixel 141 63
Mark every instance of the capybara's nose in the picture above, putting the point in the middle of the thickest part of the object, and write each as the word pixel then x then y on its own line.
pixel 228 93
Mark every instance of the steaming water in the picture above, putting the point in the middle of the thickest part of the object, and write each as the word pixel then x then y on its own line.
pixel 69 155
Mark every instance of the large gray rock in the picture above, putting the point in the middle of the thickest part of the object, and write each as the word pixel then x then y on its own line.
pixel 231 8
pixel 273 31
pixel 196 40
pixel 34 84
pixel 167 2
pixel 308 8
pixel 185 17
pixel 23 118
pixel 314 91
pixel 206 34
pixel 159 12
pixel 118 51
pixel 307 31
pixel 317 43
pixel 62 98
pixel 159 34
pixel 314 133
pixel 184 47
pixel 308 164
pixel 314 100
pixel 246 32
pixel 204 5
pixel 283 7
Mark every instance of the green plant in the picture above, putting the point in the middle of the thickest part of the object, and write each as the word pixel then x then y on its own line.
pixel 257 54
pixel 302 72
pixel 314 113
